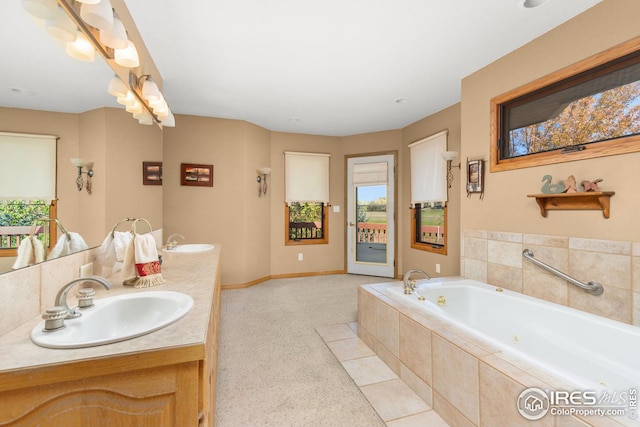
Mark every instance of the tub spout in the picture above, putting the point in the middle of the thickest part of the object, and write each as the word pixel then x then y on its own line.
pixel 409 283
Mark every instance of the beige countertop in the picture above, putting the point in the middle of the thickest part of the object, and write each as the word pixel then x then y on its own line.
pixel 194 274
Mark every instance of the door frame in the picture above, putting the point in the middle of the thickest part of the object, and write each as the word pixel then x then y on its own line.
pixel 393 153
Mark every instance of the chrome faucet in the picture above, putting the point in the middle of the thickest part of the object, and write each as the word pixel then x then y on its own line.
pixel 170 244
pixel 410 284
pixel 61 298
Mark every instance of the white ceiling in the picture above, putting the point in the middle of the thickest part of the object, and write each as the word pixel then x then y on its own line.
pixel 330 67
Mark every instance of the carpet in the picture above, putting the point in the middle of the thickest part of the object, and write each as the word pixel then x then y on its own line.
pixel 274 369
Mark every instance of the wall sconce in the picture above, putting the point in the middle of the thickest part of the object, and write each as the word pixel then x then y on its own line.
pixel 82 163
pixel 449 156
pixel 264 171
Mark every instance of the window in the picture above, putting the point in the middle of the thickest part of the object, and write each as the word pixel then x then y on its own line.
pixel 429 194
pixel 429 225
pixel 29 165
pixel 307 198
pixel 307 223
pixel 17 219
pixel 588 110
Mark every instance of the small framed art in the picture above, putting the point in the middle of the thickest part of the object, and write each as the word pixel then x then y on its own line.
pixel 152 173
pixel 475 172
pixel 196 175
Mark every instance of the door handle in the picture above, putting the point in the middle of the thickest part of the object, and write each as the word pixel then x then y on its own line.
pixel 351 224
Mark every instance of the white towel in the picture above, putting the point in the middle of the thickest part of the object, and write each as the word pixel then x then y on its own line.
pixel 68 243
pixel 141 263
pixel 31 251
pixel 112 250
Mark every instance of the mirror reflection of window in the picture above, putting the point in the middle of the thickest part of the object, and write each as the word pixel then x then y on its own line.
pixel 28 193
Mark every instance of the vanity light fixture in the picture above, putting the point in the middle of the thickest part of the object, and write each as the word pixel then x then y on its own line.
pixel 98 15
pixel 93 25
pixel 117 87
pixel 449 156
pixel 150 90
pixel 80 183
pixel 81 49
pixel 62 27
pixel 43 9
pixel 262 189
pixel 116 36
pixel 127 57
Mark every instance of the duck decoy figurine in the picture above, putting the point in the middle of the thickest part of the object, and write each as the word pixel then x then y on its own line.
pixel 549 188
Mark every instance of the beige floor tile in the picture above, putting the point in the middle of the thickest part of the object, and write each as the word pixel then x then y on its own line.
pixel 352 348
pixel 423 419
pixel 368 370
pixel 335 332
pixel 393 399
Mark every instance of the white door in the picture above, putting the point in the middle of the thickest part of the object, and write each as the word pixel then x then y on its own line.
pixel 370 215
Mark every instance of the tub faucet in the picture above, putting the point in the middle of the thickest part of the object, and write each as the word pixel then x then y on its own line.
pixel 409 283
pixel 61 298
pixel 172 243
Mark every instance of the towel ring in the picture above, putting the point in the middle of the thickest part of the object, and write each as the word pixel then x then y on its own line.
pixel 113 230
pixel 135 222
pixel 45 220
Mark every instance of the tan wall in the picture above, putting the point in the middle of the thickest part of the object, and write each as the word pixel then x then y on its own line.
pixel 317 258
pixel 65 126
pixel 117 145
pixel 230 213
pixel 449 119
pixel 92 207
pixel 505 206
pixel 127 145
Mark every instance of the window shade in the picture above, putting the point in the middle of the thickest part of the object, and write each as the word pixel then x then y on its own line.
pixel 306 177
pixel 429 169
pixel 370 174
pixel 28 169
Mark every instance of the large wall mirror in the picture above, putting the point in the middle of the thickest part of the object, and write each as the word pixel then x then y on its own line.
pixel 38 75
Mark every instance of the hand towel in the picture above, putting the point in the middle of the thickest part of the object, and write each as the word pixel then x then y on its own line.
pixel 68 243
pixel 30 251
pixel 141 260
pixel 112 250
pixel 61 247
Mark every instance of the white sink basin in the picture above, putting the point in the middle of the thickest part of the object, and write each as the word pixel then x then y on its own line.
pixel 190 248
pixel 116 319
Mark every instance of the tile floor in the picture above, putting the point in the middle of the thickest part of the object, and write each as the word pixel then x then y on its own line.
pixel 392 399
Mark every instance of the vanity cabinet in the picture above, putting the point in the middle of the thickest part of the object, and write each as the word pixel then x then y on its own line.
pixel 163 380
pixel 158 396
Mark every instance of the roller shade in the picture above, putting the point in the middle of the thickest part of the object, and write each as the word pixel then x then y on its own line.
pixel 429 169
pixel 306 177
pixel 28 170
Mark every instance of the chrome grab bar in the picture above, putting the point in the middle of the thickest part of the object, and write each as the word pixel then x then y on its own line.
pixel 593 288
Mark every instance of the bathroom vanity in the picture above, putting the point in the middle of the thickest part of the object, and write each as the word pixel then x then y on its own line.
pixel 165 378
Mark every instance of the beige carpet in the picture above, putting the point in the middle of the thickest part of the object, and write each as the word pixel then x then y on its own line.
pixel 274 369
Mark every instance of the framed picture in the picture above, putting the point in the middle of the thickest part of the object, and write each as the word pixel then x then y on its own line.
pixel 475 172
pixel 196 175
pixel 152 173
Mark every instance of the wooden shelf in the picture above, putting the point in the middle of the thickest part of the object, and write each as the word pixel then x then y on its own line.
pixel 591 200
